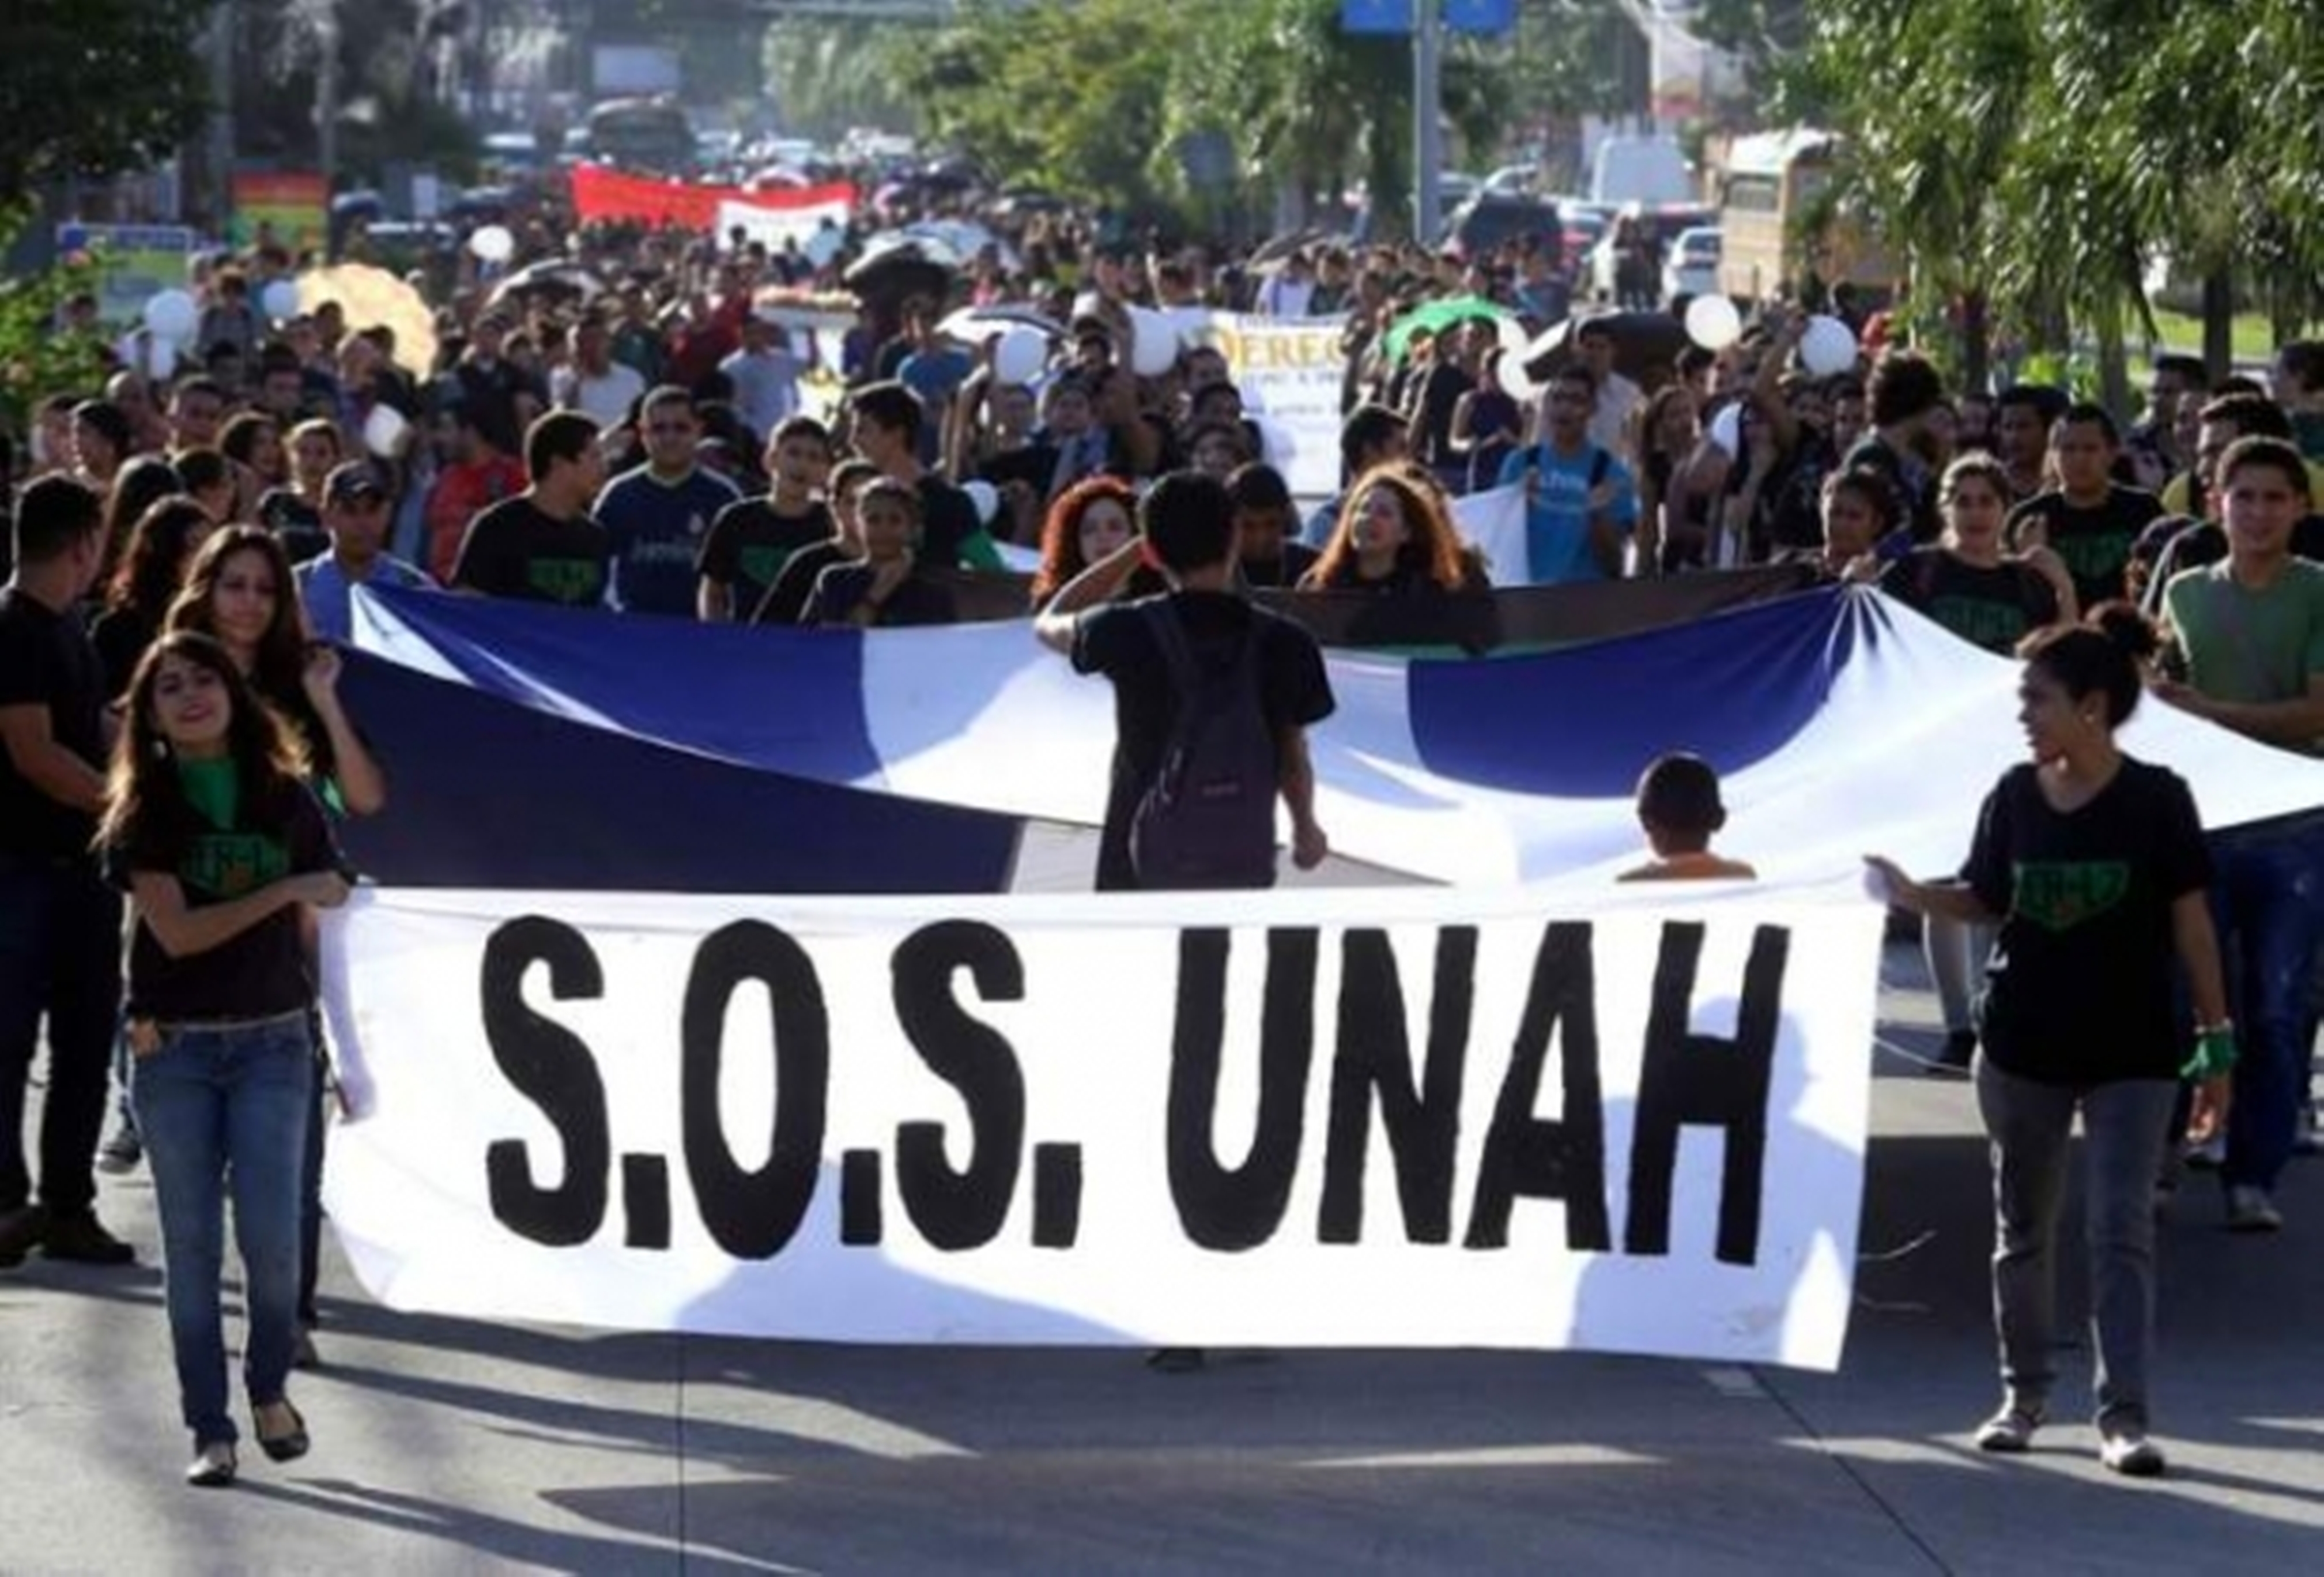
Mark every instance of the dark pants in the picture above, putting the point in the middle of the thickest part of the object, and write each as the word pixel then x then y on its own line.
pixel 311 1183
pixel 2267 901
pixel 60 960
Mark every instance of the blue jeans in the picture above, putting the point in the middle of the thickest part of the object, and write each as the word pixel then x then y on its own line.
pixel 59 960
pixel 225 1108
pixel 2267 901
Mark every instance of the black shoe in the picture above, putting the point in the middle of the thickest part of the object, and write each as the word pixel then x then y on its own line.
pixel 80 1240
pixel 1960 1050
pixel 20 1231
pixel 120 1155
pixel 1175 1359
pixel 212 1466
pixel 290 1447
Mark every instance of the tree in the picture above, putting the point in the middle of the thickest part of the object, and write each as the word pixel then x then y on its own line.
pixel 94 88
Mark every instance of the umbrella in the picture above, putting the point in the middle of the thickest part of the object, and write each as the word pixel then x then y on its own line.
pixel 1642 342
pixel 368 296
pixel 1434 316
pixel 890 273
pixel 1281 247
pixel 971 324
pixel 554 276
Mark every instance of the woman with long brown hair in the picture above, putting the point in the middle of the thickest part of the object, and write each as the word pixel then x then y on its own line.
pixel 210 824
pixel 1395 534
pixel 1085 523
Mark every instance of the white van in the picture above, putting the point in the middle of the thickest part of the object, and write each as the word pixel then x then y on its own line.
pixel 1650 171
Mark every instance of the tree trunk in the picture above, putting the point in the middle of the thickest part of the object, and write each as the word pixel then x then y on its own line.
pixel 2114 363
pixel 1977 342
pixel 2219 322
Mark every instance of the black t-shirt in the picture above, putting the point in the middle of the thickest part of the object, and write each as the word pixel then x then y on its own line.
pixel 786 600
pixel 947 520
pixel 122 634
pixel 1297 560
pixel 259 974
pixel 490 395
pixel 2079 989
pixel 2096 543
pixel 1995 608
pixel 47 660
pixel 514 550
pixel 750 543
pixel 841 588
pixel 1295 692
pixel 297 524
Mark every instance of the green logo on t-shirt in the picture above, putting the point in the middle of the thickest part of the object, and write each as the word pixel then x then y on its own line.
pixel 2061 894
pixel 226 865
pixel 760 566
pixel 564 580
pixel 1980 620
pixel 2095 555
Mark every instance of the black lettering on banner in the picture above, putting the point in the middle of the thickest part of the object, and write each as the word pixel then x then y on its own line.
pixel 1706 1081
pixel 1057 1195
pixel 860 1219
pixel 1234 1208
pixel 961 1209
pixel 553 1068
pixel 1374 1052
pixel 1526 1155
pixel 645 1202
pixel 753 1214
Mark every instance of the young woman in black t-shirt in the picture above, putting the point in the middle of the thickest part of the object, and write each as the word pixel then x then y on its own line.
pixel 1395 537
pixel 210 824
pixel 1967 581
pixel 2093 866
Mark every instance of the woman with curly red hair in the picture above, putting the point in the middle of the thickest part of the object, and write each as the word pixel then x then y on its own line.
pixel 1087 523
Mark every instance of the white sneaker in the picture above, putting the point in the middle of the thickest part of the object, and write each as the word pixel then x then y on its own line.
pixel 2129 1451
pixel 2250 1210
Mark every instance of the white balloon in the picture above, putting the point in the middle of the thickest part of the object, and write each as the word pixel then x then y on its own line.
pixel 1153 343
pixel 383 430
pixel 1727 427
pixel 985 497
pixel 1020 355
pixel 1828 347
pixel 492 243
pixel 1510 371
pixel 280 299
pixel 1712 322
pixel 172 314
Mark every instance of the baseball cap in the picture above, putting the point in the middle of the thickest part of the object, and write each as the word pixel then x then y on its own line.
pixel 353 482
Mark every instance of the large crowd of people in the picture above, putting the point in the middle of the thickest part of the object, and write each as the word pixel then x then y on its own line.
pixel 666 441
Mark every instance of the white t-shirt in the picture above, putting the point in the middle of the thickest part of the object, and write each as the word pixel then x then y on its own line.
pixel 606 400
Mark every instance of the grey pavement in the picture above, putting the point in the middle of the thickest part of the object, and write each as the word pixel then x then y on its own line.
pixel 451 1446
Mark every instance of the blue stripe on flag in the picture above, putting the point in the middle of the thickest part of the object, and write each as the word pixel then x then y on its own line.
pixel 1585 721
pixel 789 699
pixel 487 792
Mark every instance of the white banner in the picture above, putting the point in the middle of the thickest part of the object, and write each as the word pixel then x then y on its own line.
pixel 1416 1118
pixel 1289 370
pixel 770 228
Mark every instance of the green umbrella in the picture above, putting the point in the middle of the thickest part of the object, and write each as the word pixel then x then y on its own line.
pixel 1436 316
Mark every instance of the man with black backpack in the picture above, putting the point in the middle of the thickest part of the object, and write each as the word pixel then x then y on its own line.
pixel 1213 700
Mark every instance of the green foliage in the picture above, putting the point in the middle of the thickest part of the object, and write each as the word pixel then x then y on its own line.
pixel 2045 151
pixel 35 360
pixel 830 76
pixel 94 87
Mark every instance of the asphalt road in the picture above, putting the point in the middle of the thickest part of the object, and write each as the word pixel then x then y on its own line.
pixel 445 1447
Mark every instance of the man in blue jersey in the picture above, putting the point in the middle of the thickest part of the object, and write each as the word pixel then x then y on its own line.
pixel 658 514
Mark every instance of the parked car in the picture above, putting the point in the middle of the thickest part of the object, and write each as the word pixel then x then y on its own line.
pixel 1691 266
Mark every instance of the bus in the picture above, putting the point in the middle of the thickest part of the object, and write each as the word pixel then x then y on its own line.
pixel 1776 227
pixel 647 134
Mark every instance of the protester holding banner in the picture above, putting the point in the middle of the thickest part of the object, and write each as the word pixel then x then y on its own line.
pixel 1089 521
pixel 222 847
pixel 1394 539
pixel 2093 866
pixel 1581 503
pixel 1967 582
pixel 889 587
pixel 1268 552
pixel 657 516
pixel 543 545
pixel 751 541
pixel 2250 632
